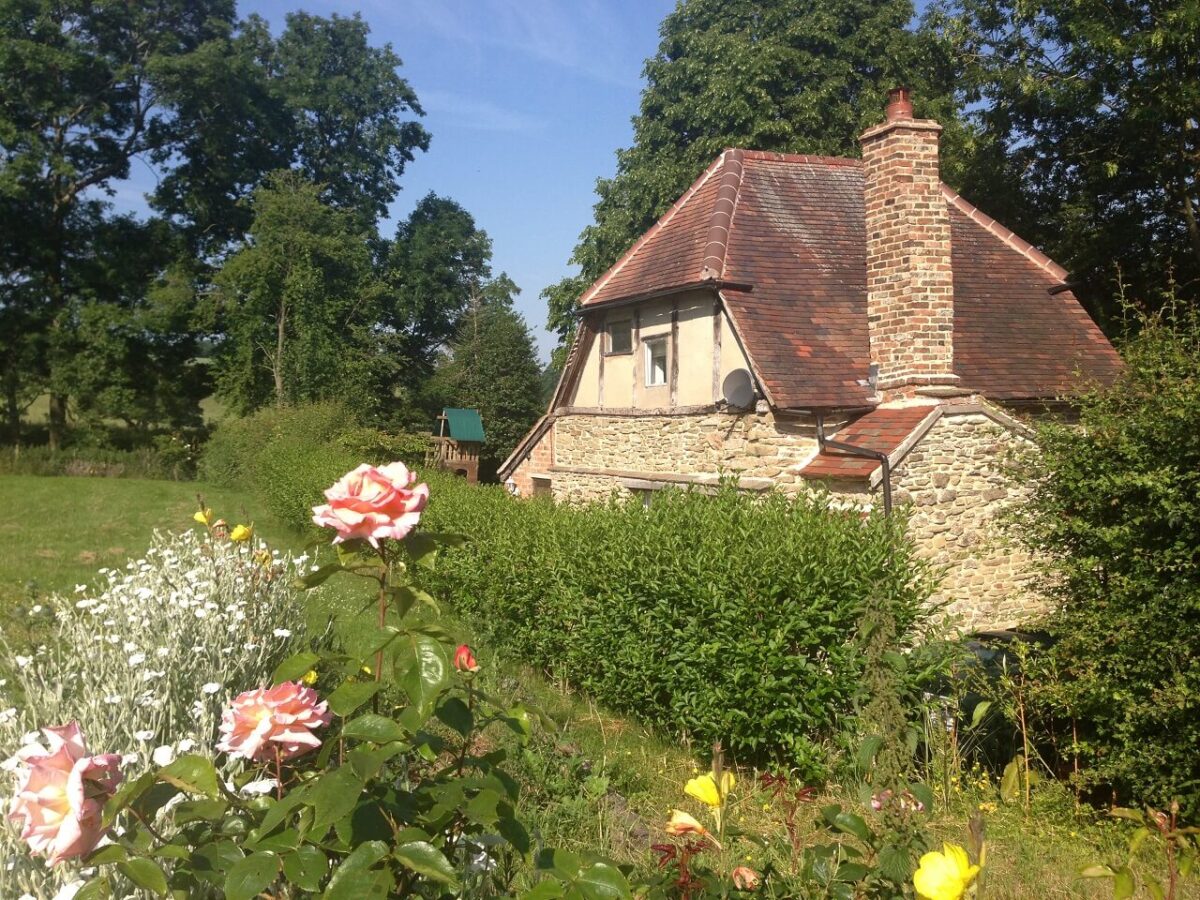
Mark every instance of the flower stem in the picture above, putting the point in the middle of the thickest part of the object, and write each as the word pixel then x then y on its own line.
pixel 384 571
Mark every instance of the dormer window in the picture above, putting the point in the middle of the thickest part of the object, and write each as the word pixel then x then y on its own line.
pixel 656 361
pixel 620 336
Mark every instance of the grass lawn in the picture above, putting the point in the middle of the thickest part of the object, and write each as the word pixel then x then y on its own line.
pixel 599 782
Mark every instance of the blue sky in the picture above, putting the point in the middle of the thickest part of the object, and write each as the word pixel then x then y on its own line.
pixel 527 102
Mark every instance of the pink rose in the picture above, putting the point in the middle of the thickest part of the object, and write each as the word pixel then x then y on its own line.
pixel 61 797
pixel 263 723
pixel 372 503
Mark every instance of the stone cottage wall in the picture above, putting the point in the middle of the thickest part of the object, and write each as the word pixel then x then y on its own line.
pixel 953 480
pixel 591 450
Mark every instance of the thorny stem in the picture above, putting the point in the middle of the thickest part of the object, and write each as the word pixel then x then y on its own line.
pixel 146 824
pixel 384 571
pixel 278 774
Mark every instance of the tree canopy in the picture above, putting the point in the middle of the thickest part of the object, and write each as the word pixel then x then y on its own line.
pixel 1095 108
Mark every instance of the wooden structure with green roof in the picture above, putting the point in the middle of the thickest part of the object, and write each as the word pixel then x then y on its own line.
pixel 457 442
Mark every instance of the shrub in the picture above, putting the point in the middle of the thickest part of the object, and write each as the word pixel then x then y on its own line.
pixel 1116 516
pixel 148 661
pixel 726 617
pixel 287 456
pixel 169 459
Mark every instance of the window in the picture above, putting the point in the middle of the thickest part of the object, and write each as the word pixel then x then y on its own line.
pixel 542 487
pixel 656 362
pixel 620 336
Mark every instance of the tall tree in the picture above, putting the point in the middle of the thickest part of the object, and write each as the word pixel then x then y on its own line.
pixel 492 366
pixel 1096 106
pixel 439 260
pixel 297 301
pixel 78 101
pixel 798 75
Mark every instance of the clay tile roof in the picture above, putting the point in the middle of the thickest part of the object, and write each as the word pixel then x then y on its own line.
pixel 783 237
pixel 883 429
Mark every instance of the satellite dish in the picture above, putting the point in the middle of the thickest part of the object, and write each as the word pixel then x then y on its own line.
pixel 738 389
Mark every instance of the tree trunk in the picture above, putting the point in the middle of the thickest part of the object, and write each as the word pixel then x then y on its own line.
pixel 57 420
pixel 12 411
pixel 277 368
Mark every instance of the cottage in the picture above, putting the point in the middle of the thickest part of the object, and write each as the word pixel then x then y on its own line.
pixel 798 319
pixel 456 443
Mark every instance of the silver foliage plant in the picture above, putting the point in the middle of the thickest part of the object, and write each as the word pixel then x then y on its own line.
pixel 145 663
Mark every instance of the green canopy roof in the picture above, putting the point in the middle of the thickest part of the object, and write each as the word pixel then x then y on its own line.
pixel 464 424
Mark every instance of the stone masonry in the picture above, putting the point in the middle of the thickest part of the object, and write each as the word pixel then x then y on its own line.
pixel 951 479
pixel 957 492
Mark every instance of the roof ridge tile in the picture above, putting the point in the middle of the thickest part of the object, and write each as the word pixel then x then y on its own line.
pixel 719 223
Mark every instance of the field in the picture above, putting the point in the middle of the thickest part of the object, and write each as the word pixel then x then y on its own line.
pixel 598 782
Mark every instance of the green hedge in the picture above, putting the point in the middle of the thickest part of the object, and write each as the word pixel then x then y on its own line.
pixel 165 462
pixel 725 617
pixel 288 456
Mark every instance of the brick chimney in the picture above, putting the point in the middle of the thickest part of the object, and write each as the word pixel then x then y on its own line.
pixel 910 289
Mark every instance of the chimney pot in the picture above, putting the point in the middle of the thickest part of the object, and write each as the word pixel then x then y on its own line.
pixel 899 105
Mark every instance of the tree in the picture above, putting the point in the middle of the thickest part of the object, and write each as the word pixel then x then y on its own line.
pixel 1115 516
pixel 800 75
pixel 78 102
pixel 1095 105
pixel 297 302
pixel 133 351
pixel 437 263
pixel 492 366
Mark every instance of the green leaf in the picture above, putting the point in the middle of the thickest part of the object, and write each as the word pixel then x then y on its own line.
pixel 250 876
pixel 428 675
pixel 294 667
pixel 350 695
pixel 852 823
pixel 482 807
pixel 425 859
pixel 279 810
pixel 375 728
pixel 1137 839
pixel 1123 884
pixel 198 811
pixel 211 861
pixel 1154 889
pixel 895 864
pixel 192 773
pixel 602 881
pixel 1133 815
pixel 146 874
pixel 96 889
pixel 867 751
pixel 319 577
pixel 981 710
pixel 109 854
pixel 1097 871
pixel 306 867
pixel 127 794
pixel 1010 781
pixel 546 889
pixel 346 883
pixel 333 795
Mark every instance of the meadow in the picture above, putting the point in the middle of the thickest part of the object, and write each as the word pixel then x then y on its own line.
pixel 598 781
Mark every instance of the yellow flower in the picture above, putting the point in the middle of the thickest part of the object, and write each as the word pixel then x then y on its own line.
pixel 945 875
pixel 707 791
pixel 309 677
pixel 241 533
pixel 203 516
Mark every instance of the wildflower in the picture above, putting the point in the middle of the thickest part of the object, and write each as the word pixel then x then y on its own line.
pixel 145 735
pixel 211 688
pixel 137 659
pixel 241 533
pixel 185 745
pixel 203 516
pixel 261 723
pixel 464 660
pixel 681 824
pixel 945 875
pixel 164 755
pixel 309 677
pixel 745 878
pixel 282 633
pixel 23 661
pixel 257 788
pixel 61 797
pixel 371 502
pixel 705 788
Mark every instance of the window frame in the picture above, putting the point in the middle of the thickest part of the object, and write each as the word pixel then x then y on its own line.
pixel 608 341
pixel 650 344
